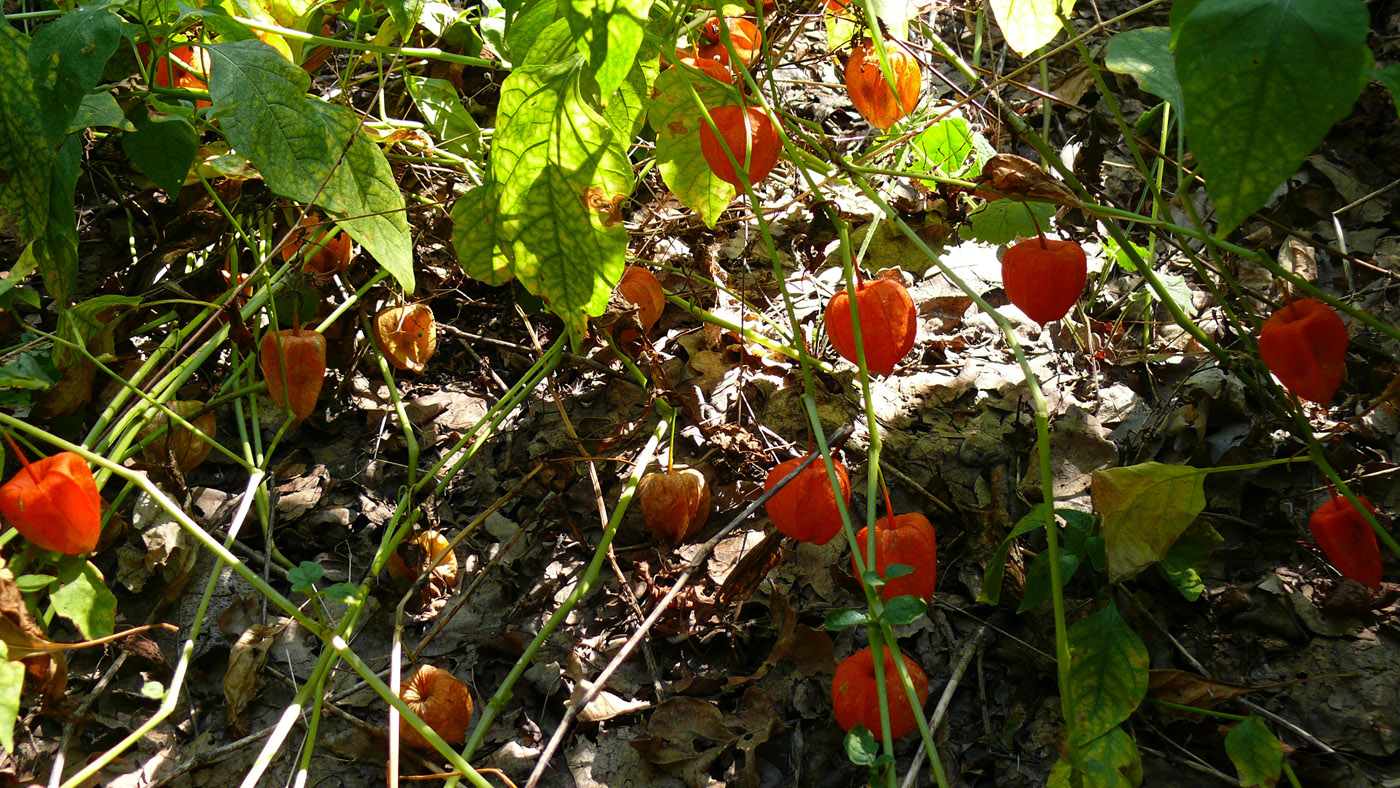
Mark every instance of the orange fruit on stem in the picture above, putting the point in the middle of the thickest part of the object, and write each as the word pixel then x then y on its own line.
pixel 749 134
pixel 1348 540
pixel 1044 277
pixel 675 504
pixel 54 503
pixel 639 287
pixel 855 695
pixel 440 700
pixel 906 539
pixel 420 551
pixel 407 335
pixel 888 324
pixel 711 67
pixel 329 252
pixel 293 363
pixel 869 91
pixel 745 36
pixel 806 508
pixel 1305 345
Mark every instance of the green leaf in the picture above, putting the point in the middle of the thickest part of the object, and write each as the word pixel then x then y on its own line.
pixel 1145 54
pixel 527 26
pixel 996 567
pixel 893 571
pixel 1256 753
pixel 11 688
pixel 99 109
pixel 1003 221
pixel 1190 552
pixel 55 251
pixel 1145 508
pixel 1038 577
pixel 453 128
pixel 608 34
pixel 894 13
pixel 305 576
pixel 162 147
pixel 1390 78
pixel 562 173
pixel 342 592
pixel 405 14
pixel 1262 83
pixel 676 120
pixel 28 584
pixel 1108 674
pixel 1119 255
pixel 308 150
pixel 1028 25
pixel 860 746
pixel 475 217
pixel 153 690
pixel 904 610
pixel 25 154
pixel 626 110
pixel 1177 289
pixel 28 371
pixel 66 61
pixel 1110 761
pixel 83 598
pixel 949 148
pixel 844 618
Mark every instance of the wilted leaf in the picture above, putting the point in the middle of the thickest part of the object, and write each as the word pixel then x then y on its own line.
pixel 1145 508
pixel 243 679
pixel 1256 753
pixel 1187 689
pixel 1108 673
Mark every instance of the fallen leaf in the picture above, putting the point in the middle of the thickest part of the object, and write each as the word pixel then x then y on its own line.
pixel 243 680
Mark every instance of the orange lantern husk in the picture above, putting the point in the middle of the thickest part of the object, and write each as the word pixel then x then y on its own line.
pixel 293 363
pixel 54 503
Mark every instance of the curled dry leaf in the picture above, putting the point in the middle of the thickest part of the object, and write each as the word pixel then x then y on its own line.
pixel 675 504
pixel 243 679
pixel 442 701
pixel 178 442
pixel 325 251
pixel 407 335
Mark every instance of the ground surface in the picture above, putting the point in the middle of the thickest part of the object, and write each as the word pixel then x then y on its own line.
pixel 733 688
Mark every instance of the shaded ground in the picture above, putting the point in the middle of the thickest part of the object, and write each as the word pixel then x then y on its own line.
pixel 733 688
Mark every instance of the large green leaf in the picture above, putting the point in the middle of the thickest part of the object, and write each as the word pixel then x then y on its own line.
pixel 1256 753
pixel 162 146
pixel 474 237
pixel 83 598
pixel 405 14
pixel 308 150
pixel 562 173
pixel 454 129
pixel 1145 54
pixel 1145 508
pixel 1107 675
pixel 25 155
pixel 55 251
pixel 608 33
pixel 1263 81
pixel 1110 761
pixel 676 120
pixel 66 61
pixel 1028 25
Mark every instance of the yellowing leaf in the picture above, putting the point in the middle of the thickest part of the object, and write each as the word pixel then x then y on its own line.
pixel 1145 508
pixel 1029 25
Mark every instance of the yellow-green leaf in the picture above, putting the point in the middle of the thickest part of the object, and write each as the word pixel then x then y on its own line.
pixel 1029 25
pixel 1145 508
